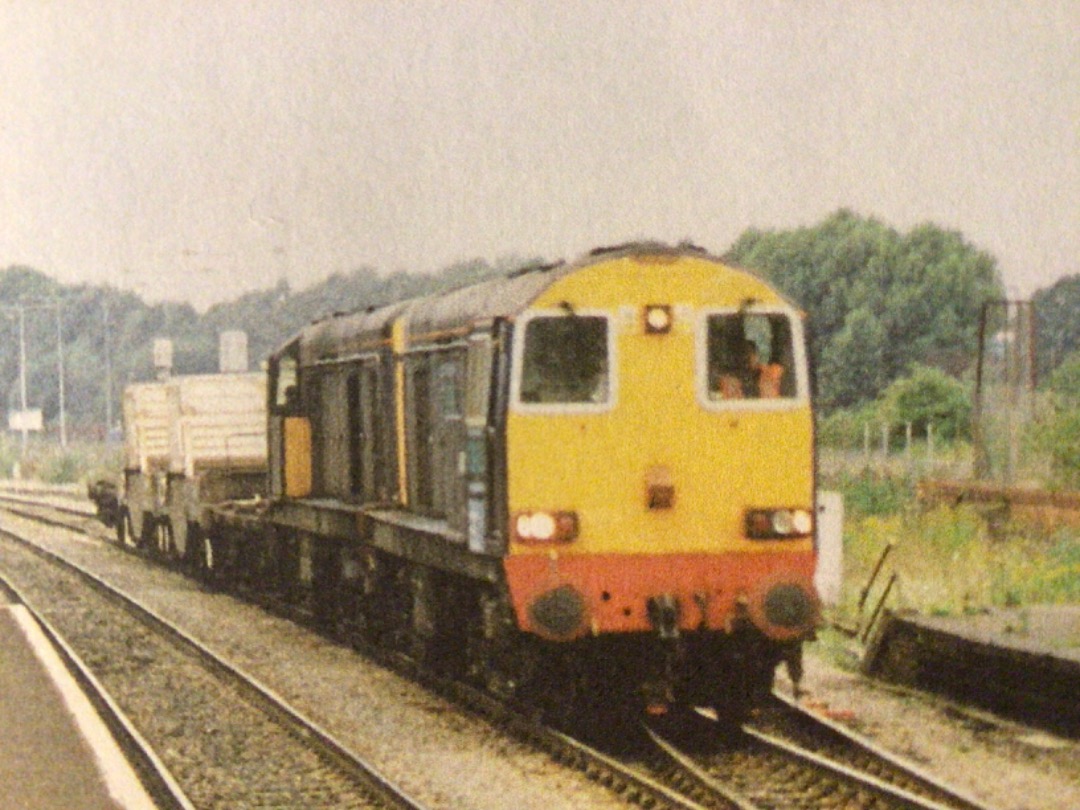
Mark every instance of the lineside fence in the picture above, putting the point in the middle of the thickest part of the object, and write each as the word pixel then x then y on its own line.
pixel 897 449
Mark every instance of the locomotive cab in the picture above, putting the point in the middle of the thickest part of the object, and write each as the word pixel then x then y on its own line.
pixel 289 430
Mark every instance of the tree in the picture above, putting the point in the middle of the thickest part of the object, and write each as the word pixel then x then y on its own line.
pixel 878 300
pixel 851 361
pixel 1059 435
pixel 1065 383
pixel 928 396
pixel 1057 323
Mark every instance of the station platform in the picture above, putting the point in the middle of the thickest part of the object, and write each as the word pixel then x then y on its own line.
pixel 56 752
pixel 1040 630
pixel 1022 662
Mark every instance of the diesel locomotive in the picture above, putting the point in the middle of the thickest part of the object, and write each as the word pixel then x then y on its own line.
pixel 592 481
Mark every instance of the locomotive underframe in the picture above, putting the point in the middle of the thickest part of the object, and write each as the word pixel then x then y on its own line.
pixel 395 585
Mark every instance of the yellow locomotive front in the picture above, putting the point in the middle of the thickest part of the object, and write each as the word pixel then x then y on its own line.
pixel 660 473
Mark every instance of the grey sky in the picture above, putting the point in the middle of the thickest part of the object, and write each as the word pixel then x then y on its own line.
pixel 196 149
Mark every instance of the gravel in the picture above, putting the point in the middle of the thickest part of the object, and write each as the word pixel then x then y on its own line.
pixel 216 745
pixel 1003 764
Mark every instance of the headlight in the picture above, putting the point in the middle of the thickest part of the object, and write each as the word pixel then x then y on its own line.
pixel 782 524
pixel 658 319
pixel 542 526
pixel 778 524
pixel 545 527
pixel 802 521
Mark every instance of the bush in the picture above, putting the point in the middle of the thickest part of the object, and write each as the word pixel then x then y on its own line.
pixel 948 563
pixel 870 493
pixel 845 428
pixel 1059 438
pixel 1059 435
pixel 79 462
pixel 929 396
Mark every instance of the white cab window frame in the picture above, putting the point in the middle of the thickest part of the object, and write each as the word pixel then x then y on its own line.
pixel 518 405
pixel 701 365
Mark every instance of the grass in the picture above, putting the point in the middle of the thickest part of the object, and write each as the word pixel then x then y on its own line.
pixel 948 560
pixel 48 462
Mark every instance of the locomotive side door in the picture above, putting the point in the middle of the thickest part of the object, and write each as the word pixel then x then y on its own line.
pixel 364 431
pixel 448 437
pixel 289 431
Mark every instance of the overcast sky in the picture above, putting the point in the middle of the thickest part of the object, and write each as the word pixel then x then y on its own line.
pixel 195 149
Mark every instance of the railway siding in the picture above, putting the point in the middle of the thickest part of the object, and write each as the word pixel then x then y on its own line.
pixel 1045 508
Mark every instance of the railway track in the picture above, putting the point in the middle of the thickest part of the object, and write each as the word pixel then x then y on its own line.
pixel 628 784
pixel 753 770
pixel 228 741
pixel 788 759
pixel 57 510
pixel 790 724
pixel 156 778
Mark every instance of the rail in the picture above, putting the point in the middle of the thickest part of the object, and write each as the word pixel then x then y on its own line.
pixel 328 748
pixel 152 772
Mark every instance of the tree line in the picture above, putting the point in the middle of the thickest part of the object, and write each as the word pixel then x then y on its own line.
pixel 103 335
pixel 880 303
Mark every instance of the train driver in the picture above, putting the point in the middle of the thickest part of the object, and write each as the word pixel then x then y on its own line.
pixel 750 378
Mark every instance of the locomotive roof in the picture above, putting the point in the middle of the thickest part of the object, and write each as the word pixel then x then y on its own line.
pixel 458 311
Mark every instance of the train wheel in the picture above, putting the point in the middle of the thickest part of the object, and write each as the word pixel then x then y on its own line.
pixel 147 534
pixel 732 712
pixel 135 526
pixel 123 528
pixel 132 539
pixel 371 614
pixel 178 536
pixel 496 658
pixel 386 603
pixel 170 542
pixel 161 538
pixel 325 581
pixel 201 556
pixel 747 687
pixel 192 551
pixel 424 614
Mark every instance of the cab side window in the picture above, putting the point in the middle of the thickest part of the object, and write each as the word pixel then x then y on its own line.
pixel 285 384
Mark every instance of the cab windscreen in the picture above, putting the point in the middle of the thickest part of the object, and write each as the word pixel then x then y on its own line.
pixel 750 356
pixel 565 360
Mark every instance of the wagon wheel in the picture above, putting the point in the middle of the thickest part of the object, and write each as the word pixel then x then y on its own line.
pixel 147 535
pixel 161 538
pixel 206 556
pixel 167 540
pixel 123 528
pixel 178 536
